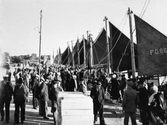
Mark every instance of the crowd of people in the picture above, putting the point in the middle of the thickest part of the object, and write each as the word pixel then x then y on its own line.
pixel 45 85
pixel 151 100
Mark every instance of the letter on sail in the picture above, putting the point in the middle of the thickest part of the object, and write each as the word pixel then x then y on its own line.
pixel 152 44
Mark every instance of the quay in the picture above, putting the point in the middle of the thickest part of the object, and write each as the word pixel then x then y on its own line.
pixel 76 109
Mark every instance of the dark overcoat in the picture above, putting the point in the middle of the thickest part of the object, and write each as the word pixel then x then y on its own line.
pixel 98 96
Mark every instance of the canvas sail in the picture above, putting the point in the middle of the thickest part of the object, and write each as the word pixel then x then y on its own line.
pixel 99 49
pixel 119 50
pixel 81 51
pixel 121 53
pixel 66 57
pixel 152 49
pixel 76 53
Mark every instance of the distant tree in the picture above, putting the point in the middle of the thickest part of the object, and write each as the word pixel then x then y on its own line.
pixel 16 59
pixel 6 57
pixel 26 57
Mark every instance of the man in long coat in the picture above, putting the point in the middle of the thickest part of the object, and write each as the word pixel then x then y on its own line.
pixel 8 98
pixel 20 99
pixel 143 105
pixel 3 97
pixel 53 96
pixel 130 101
pixel 44 99
pixel 98 96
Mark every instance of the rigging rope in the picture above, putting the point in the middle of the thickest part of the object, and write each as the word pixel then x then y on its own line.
pixel 123 56
pixel 143 11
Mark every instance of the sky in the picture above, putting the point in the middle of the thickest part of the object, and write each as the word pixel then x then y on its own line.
pixel 66 20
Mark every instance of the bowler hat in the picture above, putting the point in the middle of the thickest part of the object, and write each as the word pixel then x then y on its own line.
pixel 5 77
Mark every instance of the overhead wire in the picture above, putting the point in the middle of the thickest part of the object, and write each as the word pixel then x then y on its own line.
pixel 143 11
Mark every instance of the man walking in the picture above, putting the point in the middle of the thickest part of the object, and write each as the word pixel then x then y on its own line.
pixel 6 96
pixel 98 96
pixel 143 105
pixel 130 101
pixel 53 96
pixel 20 98
pixel 44 99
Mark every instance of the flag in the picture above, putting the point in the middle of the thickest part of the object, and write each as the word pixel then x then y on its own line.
pixel 152 49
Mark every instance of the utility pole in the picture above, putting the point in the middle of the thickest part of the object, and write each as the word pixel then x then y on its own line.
pixel 132 45
pixel 40 44
pixel 108 47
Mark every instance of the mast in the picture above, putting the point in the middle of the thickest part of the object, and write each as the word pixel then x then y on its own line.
pixel 84 50
pixel 59 59
pixel 111 46
pixel 73 63
pixel 53 56
pixel 131 44
pixel 40 44
pixel 91 51
pixel 108 47
pixel 68 53
pixel 78 52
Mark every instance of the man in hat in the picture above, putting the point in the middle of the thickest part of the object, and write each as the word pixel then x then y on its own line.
pixel 143 105
pixel 38 94
pixel 8 98
pixel 122 85
pixel 34 85
pixel 53 96
pixel 98 96
pixel 129 104
pixel 44 99
pixel 6 92
pixel 20 99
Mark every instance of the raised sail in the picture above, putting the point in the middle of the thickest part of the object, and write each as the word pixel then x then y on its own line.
pixel 152 49
pixel 66 56
pixel 99 49
pixel 120 50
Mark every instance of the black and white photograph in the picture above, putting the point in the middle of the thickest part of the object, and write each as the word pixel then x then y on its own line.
pixel 83 62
